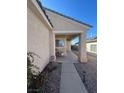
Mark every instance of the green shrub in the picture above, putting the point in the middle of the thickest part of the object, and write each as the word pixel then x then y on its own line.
pixel 36 82
pixel 30 68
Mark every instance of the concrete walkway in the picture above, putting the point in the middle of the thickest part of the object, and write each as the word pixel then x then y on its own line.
pixel 70 79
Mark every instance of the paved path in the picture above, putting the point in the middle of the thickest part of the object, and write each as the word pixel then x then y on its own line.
pixel 70 79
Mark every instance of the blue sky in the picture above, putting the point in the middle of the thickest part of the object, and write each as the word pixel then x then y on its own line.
pixel 83 10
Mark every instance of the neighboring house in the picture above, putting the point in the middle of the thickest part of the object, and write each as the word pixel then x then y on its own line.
pixel 92 45
pixel 48 30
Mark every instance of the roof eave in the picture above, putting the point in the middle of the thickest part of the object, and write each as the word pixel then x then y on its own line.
pixel 42 8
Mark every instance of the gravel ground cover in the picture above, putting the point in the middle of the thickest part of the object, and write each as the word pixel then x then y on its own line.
pixel 90 69
pixel 51 81
pixel 52 84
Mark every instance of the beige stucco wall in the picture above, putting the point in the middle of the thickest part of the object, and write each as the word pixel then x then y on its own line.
pixel 88 45
pixel 38 39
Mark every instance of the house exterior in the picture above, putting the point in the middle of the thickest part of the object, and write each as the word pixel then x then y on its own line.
pixel 92 45
pixel 48 31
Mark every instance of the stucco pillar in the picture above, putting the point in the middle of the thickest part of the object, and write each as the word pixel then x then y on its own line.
pixel 82 48
pixel 65 49
pixel 53 46
pixel 69 45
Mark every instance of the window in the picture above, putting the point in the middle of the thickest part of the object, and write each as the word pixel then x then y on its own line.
pixel 59 43
pixel 93 48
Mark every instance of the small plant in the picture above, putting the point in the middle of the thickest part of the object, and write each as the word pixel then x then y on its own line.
pixel 52 59
pixel 36 83
pixel 30 66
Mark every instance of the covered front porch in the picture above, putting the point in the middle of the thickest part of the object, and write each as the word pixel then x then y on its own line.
pixel 66 29
pixel 63 45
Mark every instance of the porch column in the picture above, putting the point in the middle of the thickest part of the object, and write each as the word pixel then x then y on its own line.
pixel 53 45
pixel 65 46
pixel 69 45
pixel 82 48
